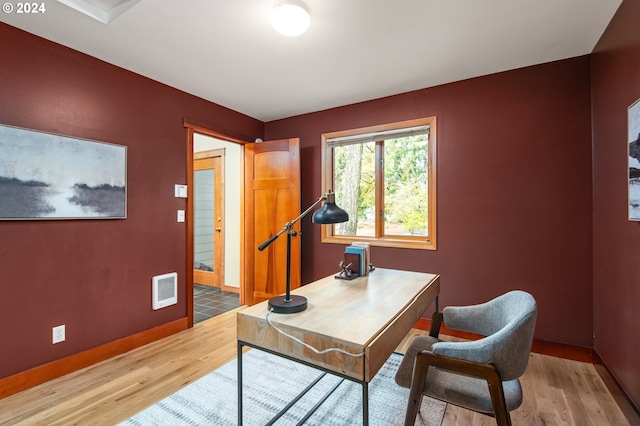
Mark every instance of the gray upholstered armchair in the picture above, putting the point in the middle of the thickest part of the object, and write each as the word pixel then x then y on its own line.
pixel 480 375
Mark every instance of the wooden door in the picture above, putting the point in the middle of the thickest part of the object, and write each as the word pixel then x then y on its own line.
pixel 272 198
pixel 208 227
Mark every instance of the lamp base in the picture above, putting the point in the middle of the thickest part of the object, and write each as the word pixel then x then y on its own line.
pixel 281 306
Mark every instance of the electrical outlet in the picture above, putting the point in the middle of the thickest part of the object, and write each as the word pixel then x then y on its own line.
pixel 58 334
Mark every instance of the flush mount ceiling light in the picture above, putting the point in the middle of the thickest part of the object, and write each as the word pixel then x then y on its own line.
pixel 102 10
pixel 290 17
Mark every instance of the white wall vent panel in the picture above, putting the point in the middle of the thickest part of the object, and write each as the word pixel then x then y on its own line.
pixel 164 289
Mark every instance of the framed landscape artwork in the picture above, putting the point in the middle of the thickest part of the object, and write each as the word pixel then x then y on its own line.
pixel 48 176
pixel 634 161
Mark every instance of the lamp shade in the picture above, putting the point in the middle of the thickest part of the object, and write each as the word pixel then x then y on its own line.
pixel 330 212
pixel 290 17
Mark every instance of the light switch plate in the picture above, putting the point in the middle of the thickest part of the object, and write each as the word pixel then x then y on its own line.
pixel 181 191
pixel 180 215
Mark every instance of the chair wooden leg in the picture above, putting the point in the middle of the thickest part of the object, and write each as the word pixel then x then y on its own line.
pixel 415 393
pixel 497 400
pixel 412 409
pixel 436 322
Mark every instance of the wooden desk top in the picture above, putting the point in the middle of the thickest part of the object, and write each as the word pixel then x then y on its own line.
pixel 370 314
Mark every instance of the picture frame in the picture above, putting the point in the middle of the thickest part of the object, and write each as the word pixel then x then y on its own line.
pixel 45 176
pixel 633 154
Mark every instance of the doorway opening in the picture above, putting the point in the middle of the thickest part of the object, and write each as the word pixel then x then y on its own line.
pixel 215 231
pixel 253 213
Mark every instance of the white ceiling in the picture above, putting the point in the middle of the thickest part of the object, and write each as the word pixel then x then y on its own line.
pixel 226 51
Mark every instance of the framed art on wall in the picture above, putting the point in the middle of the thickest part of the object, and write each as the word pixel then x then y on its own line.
pixel 48 176
pixel 634 161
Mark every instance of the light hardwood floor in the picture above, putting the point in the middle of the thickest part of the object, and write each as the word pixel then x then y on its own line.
pixel 556 391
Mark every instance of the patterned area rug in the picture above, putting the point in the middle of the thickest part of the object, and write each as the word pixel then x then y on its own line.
pixel 270 383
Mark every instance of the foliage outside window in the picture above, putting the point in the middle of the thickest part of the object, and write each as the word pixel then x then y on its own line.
pixel 385 178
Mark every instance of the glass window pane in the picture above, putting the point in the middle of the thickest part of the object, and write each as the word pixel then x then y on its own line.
pixel 203 199
pixel 405 179
pixel 354 184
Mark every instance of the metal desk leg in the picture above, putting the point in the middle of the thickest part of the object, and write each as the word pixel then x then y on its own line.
pixel 239 384
pixel 365 404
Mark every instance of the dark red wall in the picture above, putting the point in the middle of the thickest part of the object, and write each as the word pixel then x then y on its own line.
pixel 514 189
pixel 616 241
pixel 95 275
pixel 514 196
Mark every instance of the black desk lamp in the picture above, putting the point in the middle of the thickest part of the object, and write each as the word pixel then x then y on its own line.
pixel 328 214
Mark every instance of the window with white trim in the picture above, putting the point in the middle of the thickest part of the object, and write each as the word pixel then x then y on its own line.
pixel 385 178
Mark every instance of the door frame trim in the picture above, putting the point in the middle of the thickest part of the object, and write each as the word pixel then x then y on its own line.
pixel 193 128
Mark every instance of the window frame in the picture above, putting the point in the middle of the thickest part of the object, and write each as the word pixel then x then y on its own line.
pixel 410 242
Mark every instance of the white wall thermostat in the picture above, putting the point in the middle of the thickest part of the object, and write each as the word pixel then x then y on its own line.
pixel 181 191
